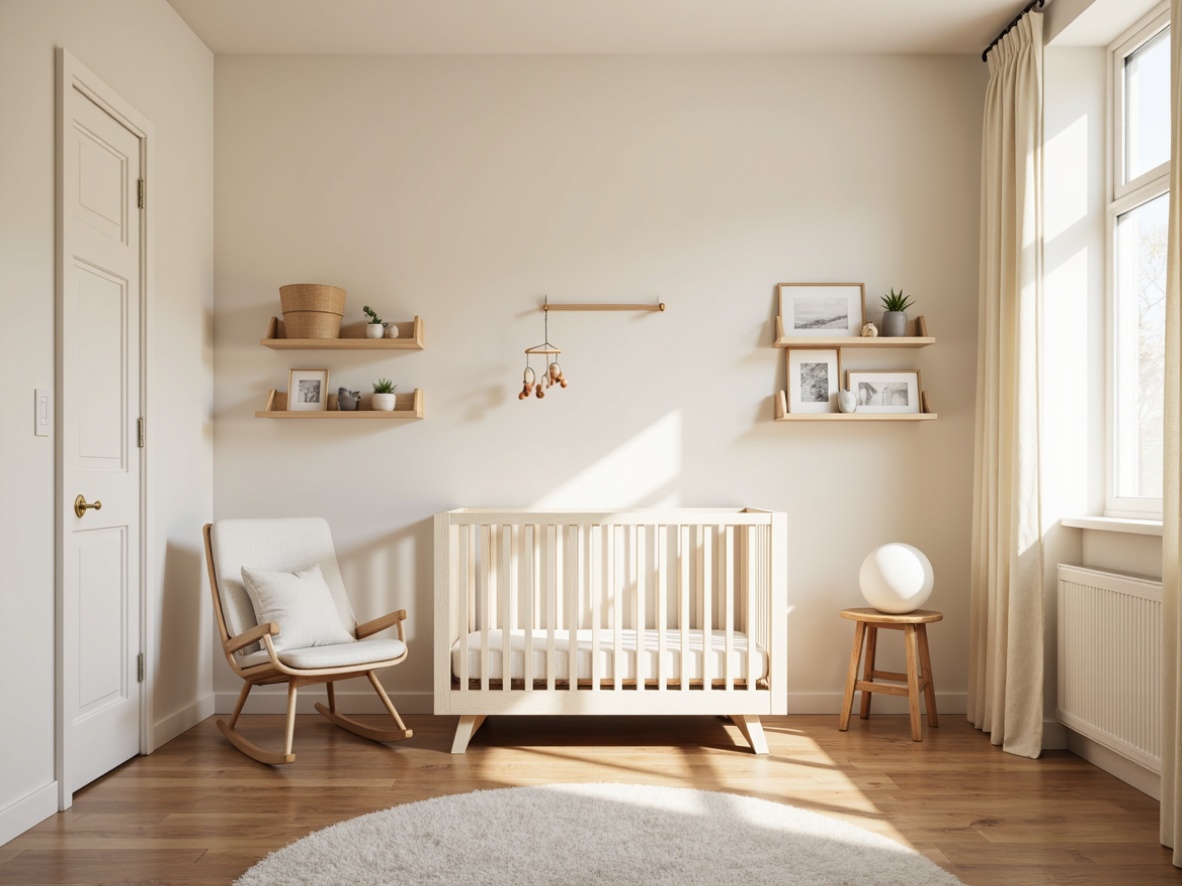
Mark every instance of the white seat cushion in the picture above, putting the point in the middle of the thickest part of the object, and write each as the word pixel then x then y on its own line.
pixel 648 643
pixel 300 603
pixel 340 655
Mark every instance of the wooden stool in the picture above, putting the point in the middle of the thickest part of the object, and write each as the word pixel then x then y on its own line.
pixel 918 678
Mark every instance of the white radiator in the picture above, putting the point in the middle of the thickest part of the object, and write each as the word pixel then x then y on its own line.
pixel 1110 661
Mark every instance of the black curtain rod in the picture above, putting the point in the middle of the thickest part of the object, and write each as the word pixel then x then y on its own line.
pixel 1010 26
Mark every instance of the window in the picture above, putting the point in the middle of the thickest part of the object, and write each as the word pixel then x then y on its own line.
pixel 1140 170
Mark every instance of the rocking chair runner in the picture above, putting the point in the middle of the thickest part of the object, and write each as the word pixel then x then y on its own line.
pixel 292 545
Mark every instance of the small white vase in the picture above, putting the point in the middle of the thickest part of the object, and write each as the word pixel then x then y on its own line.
pixel 374 330
pixel 846 401
pixel 391 331
pixel 384 402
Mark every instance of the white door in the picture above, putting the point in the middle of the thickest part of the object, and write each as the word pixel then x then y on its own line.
pixel 99 361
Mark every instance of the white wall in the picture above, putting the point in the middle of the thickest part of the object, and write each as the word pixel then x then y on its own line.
pixel 466 188
pixel 145 52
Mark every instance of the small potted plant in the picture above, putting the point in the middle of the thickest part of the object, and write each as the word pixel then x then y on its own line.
pixel 376 327
pixel 894 318
pixel 383 395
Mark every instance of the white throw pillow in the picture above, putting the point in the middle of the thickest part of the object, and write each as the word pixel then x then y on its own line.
pixel 300 603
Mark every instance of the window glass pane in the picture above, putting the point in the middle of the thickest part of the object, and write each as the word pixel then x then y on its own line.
pixel 1147 106
pixel 1140 347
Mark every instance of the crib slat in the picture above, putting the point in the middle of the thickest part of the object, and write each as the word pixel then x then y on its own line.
pixel 641 560
pixel 527 672
pixel 615 588
pixel 707 578
pixel 572 612
pixel 486 604
pixel 662 592
pixel 726 567
pixel 551 618
pixel 561 591
pixel 469 597
pixel 683 609
pixel 507 602
pixel 596 598
pixel 749 626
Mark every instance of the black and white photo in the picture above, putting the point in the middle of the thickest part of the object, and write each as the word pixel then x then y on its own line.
pixel 833 310
pixel 307 390
pixel 885 392
pixel 813 376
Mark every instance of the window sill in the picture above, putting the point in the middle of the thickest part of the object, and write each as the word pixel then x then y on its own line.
pixel 1114 524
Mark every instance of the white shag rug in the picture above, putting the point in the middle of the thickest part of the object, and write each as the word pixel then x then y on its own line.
pixel 594 834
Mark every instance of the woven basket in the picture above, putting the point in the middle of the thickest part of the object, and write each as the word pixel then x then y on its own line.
pixel 311 310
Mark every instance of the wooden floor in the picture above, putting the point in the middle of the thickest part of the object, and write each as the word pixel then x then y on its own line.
pixel 198 812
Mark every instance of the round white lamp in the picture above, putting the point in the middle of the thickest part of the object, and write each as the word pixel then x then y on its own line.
pixel 896 578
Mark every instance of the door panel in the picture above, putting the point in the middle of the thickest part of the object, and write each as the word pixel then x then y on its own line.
pixel 101 595
pixel 100 308
pixel 102 183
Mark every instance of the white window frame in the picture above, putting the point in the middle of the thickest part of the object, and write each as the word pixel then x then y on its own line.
pixel 1125 196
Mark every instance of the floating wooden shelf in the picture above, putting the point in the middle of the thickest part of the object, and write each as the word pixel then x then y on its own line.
pixel 917 338
pixel 352 338
pixel 406 406
pixel 782 413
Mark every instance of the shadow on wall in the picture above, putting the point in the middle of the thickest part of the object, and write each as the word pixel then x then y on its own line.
pixel 396 571
pixel 183 641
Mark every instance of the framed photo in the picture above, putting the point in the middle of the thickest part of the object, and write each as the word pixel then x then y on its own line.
pixel 813 379
pixel 822 309
pixel 885 392
pixel 307 390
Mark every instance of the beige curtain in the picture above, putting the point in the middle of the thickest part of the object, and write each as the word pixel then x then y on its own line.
pixel 1171 762
pixel 1006 639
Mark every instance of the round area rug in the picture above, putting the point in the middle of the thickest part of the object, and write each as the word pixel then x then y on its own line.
pixel 594 834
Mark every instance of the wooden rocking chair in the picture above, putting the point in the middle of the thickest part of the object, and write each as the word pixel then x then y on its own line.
pixel 292 545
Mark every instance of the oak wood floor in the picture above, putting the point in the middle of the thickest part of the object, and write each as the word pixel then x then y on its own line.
pixel 197 812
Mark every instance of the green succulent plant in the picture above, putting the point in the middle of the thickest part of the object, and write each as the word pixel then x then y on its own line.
pixel 384 386
pixel 372 315
pixel 897 301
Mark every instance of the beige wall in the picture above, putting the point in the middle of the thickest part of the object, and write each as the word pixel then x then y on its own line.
pixel 464 189
pixel 145 52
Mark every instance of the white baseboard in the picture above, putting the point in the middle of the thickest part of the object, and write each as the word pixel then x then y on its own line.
pixel 273 700
pixel 18 817
pixel 1145 780
pixel 950 703
pixel 170 727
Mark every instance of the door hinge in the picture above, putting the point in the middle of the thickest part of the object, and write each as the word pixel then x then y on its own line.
pixel 139 432
pixel 139 668
pixel 139 193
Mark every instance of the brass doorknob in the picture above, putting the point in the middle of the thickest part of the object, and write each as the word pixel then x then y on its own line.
pixel 80 506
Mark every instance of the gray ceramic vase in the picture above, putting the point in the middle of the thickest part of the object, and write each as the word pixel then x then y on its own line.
pixel 894 323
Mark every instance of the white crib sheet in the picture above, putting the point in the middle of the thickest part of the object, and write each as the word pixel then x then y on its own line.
pixel 649 648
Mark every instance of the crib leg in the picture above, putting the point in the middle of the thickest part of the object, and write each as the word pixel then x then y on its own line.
pixel 465 729
pixel 752 730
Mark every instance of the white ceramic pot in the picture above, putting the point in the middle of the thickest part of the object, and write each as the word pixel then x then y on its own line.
pixel 846 401
pixel 383 402
pixel 374 330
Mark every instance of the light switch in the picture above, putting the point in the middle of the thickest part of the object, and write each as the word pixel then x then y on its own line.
pixel 42 412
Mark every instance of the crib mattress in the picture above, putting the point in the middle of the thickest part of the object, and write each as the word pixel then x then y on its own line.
pixel 644 644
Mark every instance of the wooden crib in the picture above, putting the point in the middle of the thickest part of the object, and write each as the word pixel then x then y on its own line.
pixel 617 612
